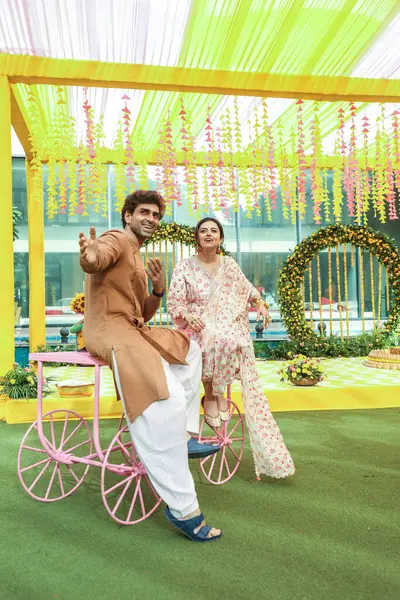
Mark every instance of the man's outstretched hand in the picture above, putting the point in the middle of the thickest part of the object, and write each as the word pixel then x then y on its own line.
pixel 88 246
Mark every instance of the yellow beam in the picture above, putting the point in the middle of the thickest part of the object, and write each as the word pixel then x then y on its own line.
pixel 7 348
pixel 20 126
pixel 38 70
pixel 37 318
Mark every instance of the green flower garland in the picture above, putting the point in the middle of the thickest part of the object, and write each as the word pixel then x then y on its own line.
pixel 291 277
pixel 173 232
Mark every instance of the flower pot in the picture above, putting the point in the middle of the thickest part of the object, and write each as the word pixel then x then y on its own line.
pixel 306 382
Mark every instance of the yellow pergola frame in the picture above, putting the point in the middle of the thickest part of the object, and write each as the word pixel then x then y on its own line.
pixel 37 70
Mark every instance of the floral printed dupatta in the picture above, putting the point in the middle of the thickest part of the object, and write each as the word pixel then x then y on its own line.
pixel 228 354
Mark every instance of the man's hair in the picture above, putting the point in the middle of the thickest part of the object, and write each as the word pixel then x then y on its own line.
pixel 142 197
pixel 200 223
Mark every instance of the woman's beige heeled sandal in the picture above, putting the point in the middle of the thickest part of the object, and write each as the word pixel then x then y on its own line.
pixel 224 414
pixel 214 422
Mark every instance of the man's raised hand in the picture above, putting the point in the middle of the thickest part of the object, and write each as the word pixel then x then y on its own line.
pixel 88 246
pixel 155 272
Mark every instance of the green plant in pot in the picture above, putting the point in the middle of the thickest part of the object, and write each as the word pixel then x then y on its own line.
pixel 21 383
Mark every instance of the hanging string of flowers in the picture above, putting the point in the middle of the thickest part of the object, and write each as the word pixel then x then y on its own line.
pixel 222 204
pixel 378 195
pixel 99 172
pixel 283 177
pixel 169 181
pixel 256 175
pixel 266 175
pixel 61 142
pixel 366 183
pixel 316 184
pixel 389 176
pixel 128 149
pixel 143 176
pixel 212 168
pixel 119 169
pixel 184 139
pixel 301 177
pixel 230 170
pixel 396 147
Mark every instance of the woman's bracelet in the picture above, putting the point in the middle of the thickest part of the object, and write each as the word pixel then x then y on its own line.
pixel 257 302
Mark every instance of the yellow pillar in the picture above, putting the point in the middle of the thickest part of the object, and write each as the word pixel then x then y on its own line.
pixel 6 236
pixel 37 318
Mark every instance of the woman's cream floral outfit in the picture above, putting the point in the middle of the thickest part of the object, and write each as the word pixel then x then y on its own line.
pixel 221 300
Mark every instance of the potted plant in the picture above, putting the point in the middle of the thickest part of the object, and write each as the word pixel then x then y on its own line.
pixel 301 370
pixel 78 306
pixel 21 383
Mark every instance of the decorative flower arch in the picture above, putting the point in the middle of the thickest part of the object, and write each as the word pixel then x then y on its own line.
pixel 173 232
pixel 292 272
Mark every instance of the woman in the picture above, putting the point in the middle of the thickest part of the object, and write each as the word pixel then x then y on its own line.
pixel 208 299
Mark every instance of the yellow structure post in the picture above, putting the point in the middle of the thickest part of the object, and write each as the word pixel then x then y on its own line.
pixel 6 233
pixel 37 318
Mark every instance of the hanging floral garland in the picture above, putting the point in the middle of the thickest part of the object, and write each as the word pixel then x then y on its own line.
pixel 174 232
pixel 279 162
pixel 292 273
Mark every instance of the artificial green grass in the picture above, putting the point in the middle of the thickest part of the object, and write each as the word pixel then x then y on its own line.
pixel 331 531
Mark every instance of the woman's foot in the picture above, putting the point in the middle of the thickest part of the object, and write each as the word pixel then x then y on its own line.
pixel 211 412
pixel 223 408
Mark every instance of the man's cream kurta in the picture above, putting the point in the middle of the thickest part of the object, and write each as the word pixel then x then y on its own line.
pixel 115 317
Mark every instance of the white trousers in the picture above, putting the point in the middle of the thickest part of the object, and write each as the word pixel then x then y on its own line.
pixel 159 433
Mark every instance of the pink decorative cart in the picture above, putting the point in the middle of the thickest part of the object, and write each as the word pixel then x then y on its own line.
pixel 59 447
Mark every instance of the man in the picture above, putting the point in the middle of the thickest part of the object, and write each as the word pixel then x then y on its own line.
pixel 157 371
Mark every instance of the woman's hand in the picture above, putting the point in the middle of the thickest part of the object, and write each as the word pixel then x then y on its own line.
pixel 195 323
pixel 263 313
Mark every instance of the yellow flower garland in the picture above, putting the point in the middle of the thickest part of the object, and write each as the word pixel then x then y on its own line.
pixel 291 277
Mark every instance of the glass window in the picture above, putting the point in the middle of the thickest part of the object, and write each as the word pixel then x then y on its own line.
pixel 259 245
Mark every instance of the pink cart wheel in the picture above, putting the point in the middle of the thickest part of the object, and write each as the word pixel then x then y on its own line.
pixel 121 423
pixel 127 492
pixel 222 466
pixel 43 477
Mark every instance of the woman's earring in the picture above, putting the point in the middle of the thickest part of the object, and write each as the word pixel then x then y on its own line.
pixel 219 250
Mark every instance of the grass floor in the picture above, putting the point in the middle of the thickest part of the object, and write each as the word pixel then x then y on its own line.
pixel 330 532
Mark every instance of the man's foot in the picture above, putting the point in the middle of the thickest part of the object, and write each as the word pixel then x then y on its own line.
pixel 198 450
pixel 195 528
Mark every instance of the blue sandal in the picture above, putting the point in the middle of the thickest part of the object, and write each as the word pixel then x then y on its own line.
pixel 188 526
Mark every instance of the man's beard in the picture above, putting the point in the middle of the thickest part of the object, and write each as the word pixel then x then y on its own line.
pixel 141 232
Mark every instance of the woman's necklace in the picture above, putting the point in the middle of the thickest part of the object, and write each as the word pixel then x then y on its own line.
pixel 210 268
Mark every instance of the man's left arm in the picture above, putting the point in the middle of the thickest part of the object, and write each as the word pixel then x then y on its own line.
pixel 151 304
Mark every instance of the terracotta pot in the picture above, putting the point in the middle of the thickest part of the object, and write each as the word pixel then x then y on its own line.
pixel 306 382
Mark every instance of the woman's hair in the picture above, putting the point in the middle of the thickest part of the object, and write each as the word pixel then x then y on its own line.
pixel 142 197
pixel 205 220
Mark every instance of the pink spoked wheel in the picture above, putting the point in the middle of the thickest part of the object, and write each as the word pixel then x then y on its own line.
pixel 121 423
pixel 49 479
pixel 126 490
pixel 221 467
